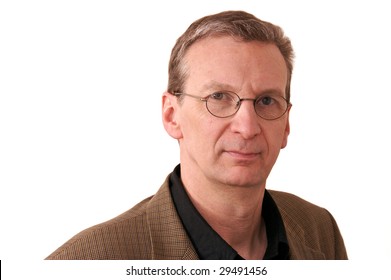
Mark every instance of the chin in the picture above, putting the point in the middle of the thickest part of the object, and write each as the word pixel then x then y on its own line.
pixel 244 179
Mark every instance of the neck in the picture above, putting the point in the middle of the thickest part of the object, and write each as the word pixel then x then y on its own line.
pixel 234 212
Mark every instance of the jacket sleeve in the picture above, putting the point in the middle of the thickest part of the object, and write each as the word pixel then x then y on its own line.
pixel 339 245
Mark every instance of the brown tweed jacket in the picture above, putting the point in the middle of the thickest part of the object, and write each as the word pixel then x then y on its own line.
pixel 152 230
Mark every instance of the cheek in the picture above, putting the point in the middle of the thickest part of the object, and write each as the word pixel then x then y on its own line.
pixel 276 137
pixel 195 130
pixel 203 137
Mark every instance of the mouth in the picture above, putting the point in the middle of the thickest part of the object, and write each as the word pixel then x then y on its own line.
pixel 243 156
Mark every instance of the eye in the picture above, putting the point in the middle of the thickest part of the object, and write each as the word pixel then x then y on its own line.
pixel 222 96
pixel 265 101
pixel 218 96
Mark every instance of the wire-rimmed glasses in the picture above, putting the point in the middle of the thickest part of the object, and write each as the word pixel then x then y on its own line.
pixel 224 104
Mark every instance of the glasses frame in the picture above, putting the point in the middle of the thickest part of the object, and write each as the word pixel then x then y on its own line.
pixel 205 99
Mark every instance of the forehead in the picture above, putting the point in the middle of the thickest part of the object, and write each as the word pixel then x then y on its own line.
pixel 235 63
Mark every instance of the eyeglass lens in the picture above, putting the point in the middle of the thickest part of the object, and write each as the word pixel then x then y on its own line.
pixel 225 104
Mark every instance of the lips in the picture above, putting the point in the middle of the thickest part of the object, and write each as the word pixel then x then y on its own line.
pixel 243 155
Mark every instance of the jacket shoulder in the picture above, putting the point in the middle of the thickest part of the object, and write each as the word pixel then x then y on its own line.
pixel 123 237
pixel 310 226
pixel 295 205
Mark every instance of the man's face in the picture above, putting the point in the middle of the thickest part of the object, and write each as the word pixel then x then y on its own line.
pixel 239 150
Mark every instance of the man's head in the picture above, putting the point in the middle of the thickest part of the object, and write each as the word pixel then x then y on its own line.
pixel 238 24
pixel 229 54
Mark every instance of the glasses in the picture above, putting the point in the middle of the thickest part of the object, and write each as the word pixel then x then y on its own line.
pixel 224 104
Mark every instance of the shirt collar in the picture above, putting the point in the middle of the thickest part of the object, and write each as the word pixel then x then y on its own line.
pixel 208 244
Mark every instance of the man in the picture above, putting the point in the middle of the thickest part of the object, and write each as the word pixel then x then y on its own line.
pixel 227 104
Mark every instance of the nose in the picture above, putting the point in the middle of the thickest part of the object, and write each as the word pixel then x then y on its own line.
pixel 246 121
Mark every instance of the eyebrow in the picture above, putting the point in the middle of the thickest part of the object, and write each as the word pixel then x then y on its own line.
pixel 215 85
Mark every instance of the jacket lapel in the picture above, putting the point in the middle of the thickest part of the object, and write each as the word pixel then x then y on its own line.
pixel 168 237
pixel 298 250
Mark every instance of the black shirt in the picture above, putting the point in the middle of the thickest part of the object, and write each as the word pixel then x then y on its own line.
pixel 208 244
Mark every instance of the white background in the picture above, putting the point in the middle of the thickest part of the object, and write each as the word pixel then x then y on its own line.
pixel 81 138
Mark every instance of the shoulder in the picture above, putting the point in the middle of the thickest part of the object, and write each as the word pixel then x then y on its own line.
pixel 123 237
pixel 297 210
pixel 309 225
pixel 290 202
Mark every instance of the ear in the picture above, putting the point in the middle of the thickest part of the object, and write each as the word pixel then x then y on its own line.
pixel 170 114
pixel 287 129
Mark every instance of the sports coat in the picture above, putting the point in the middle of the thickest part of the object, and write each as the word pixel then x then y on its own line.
pixel 153 230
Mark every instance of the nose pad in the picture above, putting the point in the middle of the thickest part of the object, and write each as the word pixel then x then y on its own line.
pixel 239 103
pixel 237 106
